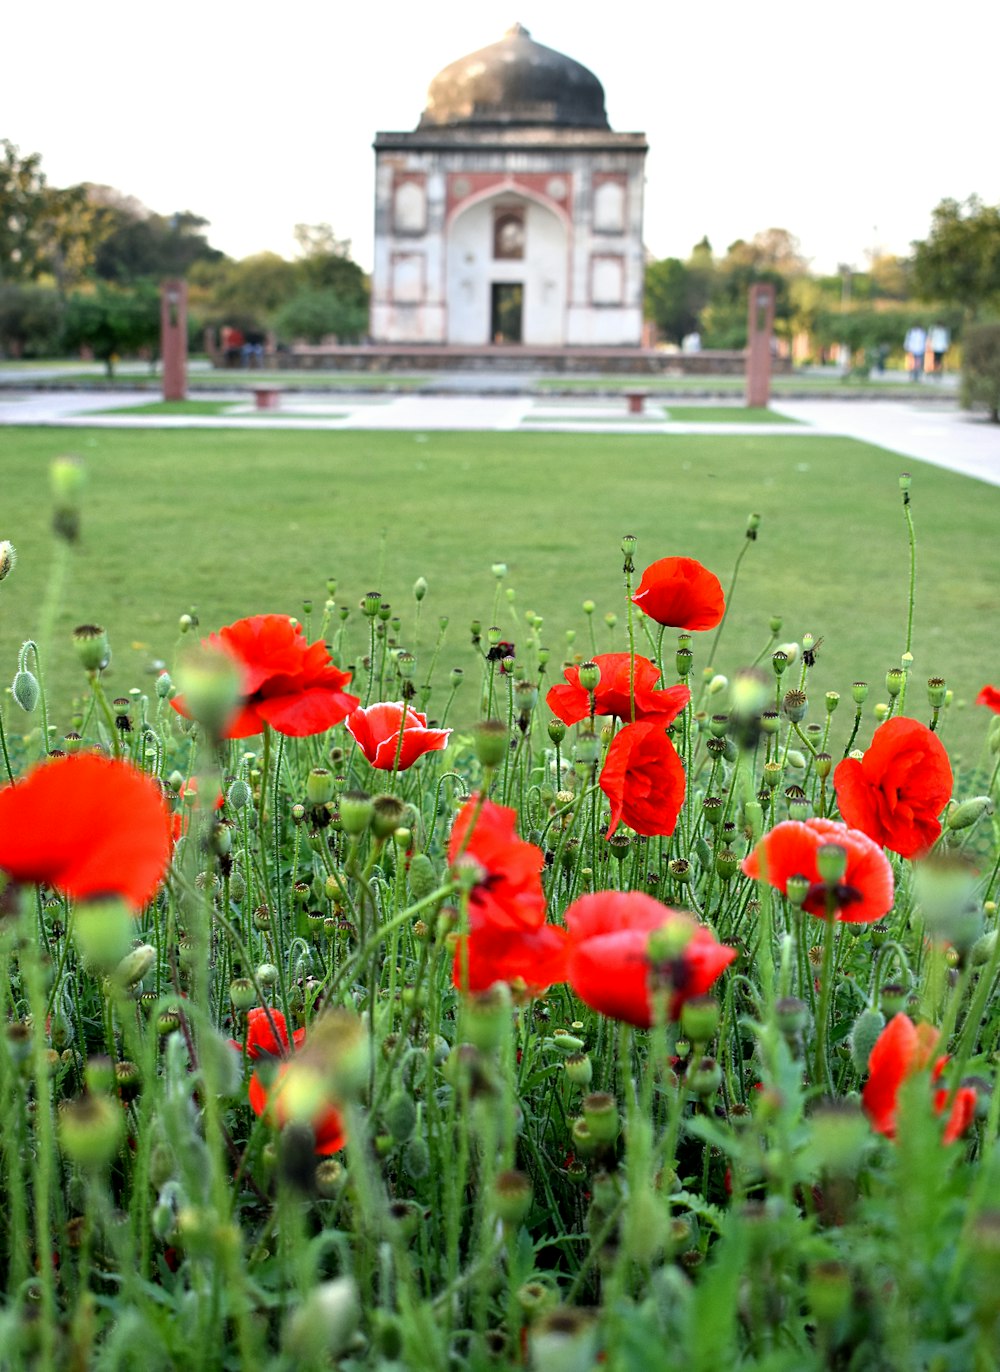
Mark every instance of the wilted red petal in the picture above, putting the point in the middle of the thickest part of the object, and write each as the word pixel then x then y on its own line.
pixel 643 778
pixel 536 957
pixel 896 792
pixel 287 683
pixel 571 702
pixel 377 728
pixel 608 963
pixel 87 826
pixel 864 894
pixel 680 593
pixel 508 893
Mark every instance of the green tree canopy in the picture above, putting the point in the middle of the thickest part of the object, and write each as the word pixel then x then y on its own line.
pixel 959 261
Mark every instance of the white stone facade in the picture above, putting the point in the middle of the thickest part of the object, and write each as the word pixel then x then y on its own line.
pixel 465 215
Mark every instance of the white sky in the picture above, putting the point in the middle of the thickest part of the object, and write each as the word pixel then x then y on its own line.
pixel 843 123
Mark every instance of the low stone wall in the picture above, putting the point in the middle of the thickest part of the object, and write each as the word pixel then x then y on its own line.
pixel 499 357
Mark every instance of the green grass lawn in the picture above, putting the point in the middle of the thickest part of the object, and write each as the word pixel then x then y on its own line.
pixel 212 408
pixel 240 522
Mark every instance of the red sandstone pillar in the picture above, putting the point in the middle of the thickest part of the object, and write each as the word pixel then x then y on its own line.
pixel 760 327
pixel 173 339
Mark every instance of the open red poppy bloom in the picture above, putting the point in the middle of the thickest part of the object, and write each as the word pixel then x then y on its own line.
pixel 534 958
pixel 296 1094
pixel 643 778
pixel 263 1041
pixel 611 968
pixel 896 792
pixel 681 594
pixel 377 730
pixel 571 702
pixel 902 1049
pixel 862 895
pixel 507 893
pixel 87 826
pixel 287 683
pixel 990 697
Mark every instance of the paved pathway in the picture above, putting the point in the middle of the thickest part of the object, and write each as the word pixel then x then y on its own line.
pixel 938 432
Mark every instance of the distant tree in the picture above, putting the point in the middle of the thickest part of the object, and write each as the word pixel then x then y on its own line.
pixel 23 203
pixel 773 256
pixel 315 315
pixel 255 288
pixel 959 261
pixel 151 246
pixel 325 264
pixel 981 369
pixel 113 322
pixel 31 320
pixel 672 301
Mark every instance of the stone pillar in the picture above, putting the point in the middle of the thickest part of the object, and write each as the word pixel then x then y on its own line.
pixel 173 339
pixel 760 330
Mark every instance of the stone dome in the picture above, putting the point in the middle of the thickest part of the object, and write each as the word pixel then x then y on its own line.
pixel 515 82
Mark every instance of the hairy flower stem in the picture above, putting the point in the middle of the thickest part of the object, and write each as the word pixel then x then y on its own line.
pixel 729 598
pixel 822 1074
pixel 3 749
pixel 912 591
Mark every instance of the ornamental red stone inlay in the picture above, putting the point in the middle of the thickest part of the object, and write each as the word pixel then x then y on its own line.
pixel 475 184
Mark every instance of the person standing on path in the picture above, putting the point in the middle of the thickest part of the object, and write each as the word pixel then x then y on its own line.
pixel 916 345
pixel 939 340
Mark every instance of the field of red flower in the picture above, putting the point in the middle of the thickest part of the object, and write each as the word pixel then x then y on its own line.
pixel 652 1021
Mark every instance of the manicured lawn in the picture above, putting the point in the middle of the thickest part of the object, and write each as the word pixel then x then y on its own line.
pixel 239 522
pixel 174 407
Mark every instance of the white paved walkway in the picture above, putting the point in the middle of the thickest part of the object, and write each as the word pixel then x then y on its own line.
pixel 935 432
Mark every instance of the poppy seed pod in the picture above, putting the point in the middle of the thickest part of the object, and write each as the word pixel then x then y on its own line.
pixel 92 647
pixel 490 738
pixel 512 1196
pixel 90 1130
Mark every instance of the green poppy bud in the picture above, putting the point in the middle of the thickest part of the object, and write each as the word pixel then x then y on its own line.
pixel 400 1116
pixel 491 742
pixel 356 812
pixel 25 690
pixel 864 1033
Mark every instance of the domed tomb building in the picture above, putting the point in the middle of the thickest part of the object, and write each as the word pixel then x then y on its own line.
pixel 513 212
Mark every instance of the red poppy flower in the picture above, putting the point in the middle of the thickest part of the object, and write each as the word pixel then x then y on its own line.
pixel 896 792
pixel 680 593
pixel 902 1049
pixel 377 730
pixel 643 778
pixel 87 826
pixel 534 957
pixel 287 683
pixel 265 1042
pixel 507 893
pixel 863 894
pixel 571 702
pixel 990 697
pixel 608 960
pixel 296 1093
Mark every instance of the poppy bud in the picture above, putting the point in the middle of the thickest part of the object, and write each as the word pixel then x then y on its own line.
pixel 969 812
pixel 422 876
pixel 419 588
pixel 134 966
pixel 239 794
pixel 600 1114
pixel 90 1130
pixel 491 742
pixel 590 676
pixel 92 647
pixel 319 786
pixel 831 863
pixel 512 1196
pixel 356 812
pixel 753 819
pixel 8 558
pixel 579 1069
pixel 416 1158
pixel 983 948
pixel 25 690
pixel 487 1014
pixel 700 1018
pixel 102 931
pixel 400 1116
pixel 828 1291
pixel 791 1015
pixel 864 1034
pixel 321 1328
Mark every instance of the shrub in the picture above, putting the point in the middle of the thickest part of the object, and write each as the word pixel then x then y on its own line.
pixel 981 369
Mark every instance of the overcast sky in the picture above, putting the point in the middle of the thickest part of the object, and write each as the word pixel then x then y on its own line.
pixel 844 123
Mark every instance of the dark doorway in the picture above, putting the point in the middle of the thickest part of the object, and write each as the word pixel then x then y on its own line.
pixel 506 301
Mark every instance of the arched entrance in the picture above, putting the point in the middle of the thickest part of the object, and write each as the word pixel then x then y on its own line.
pixel 506 273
